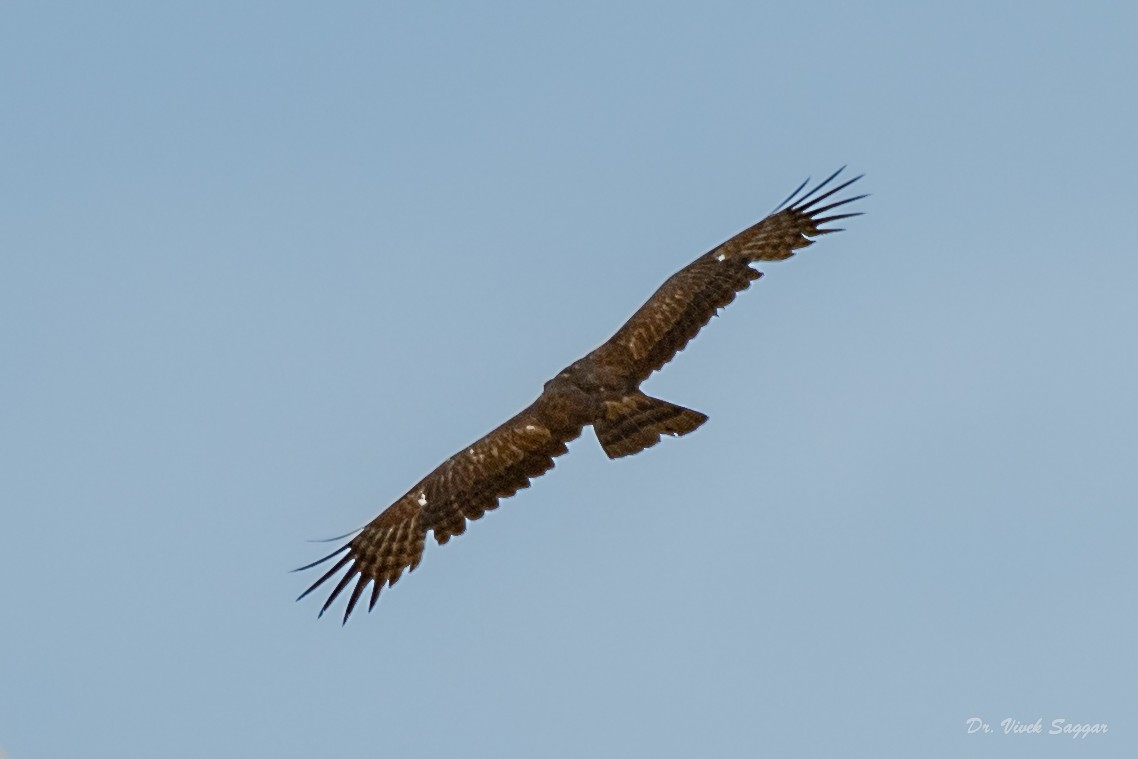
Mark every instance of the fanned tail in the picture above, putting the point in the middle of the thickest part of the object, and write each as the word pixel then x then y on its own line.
pixel 637 421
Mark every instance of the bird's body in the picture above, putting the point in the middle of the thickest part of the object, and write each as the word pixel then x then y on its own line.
pixel 600 389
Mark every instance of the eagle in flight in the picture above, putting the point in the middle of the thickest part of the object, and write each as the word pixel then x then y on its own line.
pixel 601 389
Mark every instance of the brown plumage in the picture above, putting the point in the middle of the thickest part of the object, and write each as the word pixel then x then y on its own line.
pixel 601 389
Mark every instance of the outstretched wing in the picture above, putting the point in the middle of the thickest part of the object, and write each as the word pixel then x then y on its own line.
pixel 689 298
pixel 462 488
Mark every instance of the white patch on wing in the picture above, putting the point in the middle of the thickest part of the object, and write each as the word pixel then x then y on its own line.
pixel 422 498
pixel 721 257
pixel 530 428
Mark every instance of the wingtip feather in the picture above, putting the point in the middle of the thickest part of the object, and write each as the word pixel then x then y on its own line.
pixel 343 583
pixel 810 199
pixel 836 217
pixel 323 578
pixel 318 562
pixel 791 196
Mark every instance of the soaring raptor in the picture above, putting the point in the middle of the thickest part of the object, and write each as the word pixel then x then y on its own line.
pixel 601 389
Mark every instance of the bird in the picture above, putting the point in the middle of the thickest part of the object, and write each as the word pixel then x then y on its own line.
pixel 601 389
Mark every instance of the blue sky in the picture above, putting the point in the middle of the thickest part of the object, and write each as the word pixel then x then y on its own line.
pixel 263 267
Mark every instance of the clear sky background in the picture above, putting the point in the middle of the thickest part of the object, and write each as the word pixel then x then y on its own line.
pixel 265 265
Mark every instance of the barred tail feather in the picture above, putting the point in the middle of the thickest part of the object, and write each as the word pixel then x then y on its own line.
pixel 637 421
